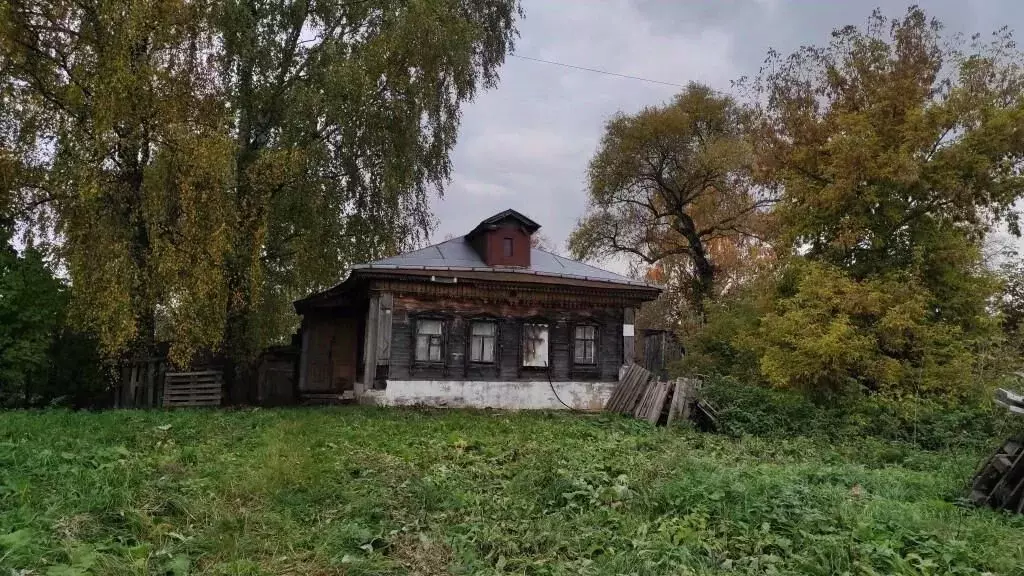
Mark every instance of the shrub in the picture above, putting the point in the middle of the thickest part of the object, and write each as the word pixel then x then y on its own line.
pixel 830 334
pixel 929 424
pixel 817 330
pixel 716 347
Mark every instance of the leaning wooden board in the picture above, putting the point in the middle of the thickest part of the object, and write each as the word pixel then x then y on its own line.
pixel 642 396
pixel 654 411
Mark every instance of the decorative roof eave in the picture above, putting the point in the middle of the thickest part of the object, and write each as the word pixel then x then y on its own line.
pixel 497 294
pixel 529 225
pixel 337 294
pixel 526 272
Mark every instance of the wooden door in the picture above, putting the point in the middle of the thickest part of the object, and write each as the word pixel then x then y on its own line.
pixel 344 347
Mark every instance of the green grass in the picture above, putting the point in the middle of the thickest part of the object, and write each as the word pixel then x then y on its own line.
pixel 374 491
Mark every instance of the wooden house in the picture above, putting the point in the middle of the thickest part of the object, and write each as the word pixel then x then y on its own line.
pixel 482 320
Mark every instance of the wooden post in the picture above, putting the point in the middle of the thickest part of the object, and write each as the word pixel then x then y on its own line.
pixel 150 383
pixel 682 400
pixel 370 347
pixel 304 355
pixel 673 408
pixel 133 384
pixel 387 302
pixel 628 335
pixel 688 397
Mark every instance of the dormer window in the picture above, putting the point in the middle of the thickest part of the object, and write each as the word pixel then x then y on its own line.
pixel 504 239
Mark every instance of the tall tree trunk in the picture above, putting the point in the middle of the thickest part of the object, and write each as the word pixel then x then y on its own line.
pixel 243 261
pixel 135 147
pixel 704 286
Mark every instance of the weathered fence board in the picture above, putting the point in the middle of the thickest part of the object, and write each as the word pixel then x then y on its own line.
pixel 641 395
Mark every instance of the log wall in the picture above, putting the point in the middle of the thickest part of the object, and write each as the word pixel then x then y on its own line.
pixel 457 316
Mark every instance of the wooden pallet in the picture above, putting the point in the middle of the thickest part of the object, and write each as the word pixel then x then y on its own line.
pixel 204 388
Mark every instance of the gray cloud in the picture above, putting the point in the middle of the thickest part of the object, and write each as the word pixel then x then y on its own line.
pixel 526 144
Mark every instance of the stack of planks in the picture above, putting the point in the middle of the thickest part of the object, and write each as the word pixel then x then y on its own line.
pixel 999 483
pixel 641 395
pixel 204 388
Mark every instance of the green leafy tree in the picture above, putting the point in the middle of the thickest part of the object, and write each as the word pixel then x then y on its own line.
pixel 120 159
pixel 195 166
pixel 897 150
pixel 671 189
pixel 343 116
pixel 829 334
pixel 1010 301
pixel 32 304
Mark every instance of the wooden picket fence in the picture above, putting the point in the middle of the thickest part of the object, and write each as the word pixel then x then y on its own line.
pixel 203 388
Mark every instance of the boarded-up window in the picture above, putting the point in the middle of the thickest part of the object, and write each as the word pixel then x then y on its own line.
pixel 535 345
pixel 428 340
pixel 585 345
pixel 481 342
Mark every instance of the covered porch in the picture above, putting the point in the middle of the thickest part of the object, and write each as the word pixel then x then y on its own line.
pixel 336 346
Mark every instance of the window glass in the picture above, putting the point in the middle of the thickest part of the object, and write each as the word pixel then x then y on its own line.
pixel 428 341
pixel 585 345
pixel 508 247
pixel 535 345
pixel 481 342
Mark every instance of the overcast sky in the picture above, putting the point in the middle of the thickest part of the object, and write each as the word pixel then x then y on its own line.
pixel 526 144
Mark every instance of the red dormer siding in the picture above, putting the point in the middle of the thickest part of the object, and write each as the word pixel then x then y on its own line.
pixel 504 239
pixel 507 245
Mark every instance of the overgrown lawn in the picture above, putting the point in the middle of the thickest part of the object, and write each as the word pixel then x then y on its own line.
pixel 376 491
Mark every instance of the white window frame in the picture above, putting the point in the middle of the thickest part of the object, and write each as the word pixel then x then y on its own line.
pixel 477 342
pixel 434 341
pixel 576 340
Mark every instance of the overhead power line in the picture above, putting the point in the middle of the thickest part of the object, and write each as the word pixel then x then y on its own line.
pixel 597 71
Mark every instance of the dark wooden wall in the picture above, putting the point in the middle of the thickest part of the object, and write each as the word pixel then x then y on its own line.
pixel 330 362
pixel 457 316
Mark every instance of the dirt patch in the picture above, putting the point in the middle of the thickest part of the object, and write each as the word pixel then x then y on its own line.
pixel 421 555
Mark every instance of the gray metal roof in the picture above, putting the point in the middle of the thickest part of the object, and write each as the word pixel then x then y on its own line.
pixel 457 255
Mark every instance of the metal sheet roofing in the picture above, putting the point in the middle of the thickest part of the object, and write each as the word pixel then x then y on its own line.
pixel 458 255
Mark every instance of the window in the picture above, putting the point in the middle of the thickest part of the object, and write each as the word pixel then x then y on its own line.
pixel 508 247
pixel 586 345
pixel 428 340
pixel 481 342
pixel 535 345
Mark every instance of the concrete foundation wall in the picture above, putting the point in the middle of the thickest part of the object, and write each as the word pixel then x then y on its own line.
pixel 520 395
